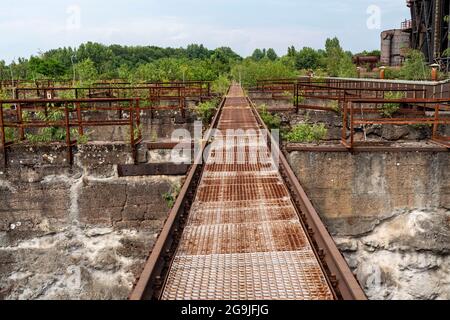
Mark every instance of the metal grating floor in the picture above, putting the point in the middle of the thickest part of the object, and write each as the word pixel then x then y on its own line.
pixel 243 238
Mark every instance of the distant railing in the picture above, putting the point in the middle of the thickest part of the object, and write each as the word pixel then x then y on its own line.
pixel 407 24
pixel 367 111
pixel 416 103
pixel 20 120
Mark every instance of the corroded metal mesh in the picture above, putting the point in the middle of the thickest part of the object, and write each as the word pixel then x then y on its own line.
pixel 243 238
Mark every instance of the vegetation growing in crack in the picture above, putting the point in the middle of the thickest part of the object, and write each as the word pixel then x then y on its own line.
pixel 307 133
pixel 171 196
pixel 272 121
pixel 206 110
pixel 334 104
pixel 389 109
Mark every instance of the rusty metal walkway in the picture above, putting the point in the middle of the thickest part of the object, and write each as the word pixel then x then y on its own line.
pixel 243 238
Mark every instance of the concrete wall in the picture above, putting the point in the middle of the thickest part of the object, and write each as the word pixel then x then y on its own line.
pixel 389 214
pixel 354 192
pixel 76 231
pixel 394 44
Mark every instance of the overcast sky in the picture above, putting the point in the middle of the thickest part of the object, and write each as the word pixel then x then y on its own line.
pixel 30 26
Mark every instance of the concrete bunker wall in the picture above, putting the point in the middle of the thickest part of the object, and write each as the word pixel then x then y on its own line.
pixel 76 231
pixel 389 214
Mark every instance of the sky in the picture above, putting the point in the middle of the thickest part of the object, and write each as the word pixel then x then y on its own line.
pixel 28 27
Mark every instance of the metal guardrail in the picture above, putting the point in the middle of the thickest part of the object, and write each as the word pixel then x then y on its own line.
pixel 336 267
pixel 23 115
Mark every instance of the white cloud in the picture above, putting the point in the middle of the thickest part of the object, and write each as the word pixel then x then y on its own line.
pixel 243 25
pixel 162 31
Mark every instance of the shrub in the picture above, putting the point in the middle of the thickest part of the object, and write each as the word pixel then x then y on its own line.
pixel 334 104
pixel 414 67
pixel 307 133
pixel 50 134
pixel 66 94
pixel 206 110
pixel 47 134
pixel 271 121
pixel 171 196
pixel 10 134
pixel 221 85
pixel 389 109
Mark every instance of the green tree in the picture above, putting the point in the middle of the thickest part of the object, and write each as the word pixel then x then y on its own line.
pixel 3 70
pixel 271 54
pixel 258 54
pixel 249 71
pixel 338 63
pixel 195 51
pixel 414 67
pixel 292 52
pixel 307 58
pixel 46 67
pixel 86 70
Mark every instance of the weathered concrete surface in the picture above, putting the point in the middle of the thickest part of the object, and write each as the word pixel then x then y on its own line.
pixel 390 215
pixel 355 192
pixel 82 223
pixel 156 125
pixel 74 263
pixel 405 257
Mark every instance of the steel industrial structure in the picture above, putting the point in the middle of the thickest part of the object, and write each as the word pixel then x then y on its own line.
pixel 429 28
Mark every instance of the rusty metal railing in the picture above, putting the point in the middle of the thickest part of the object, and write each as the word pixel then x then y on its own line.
pixel 333 262
pixel 414 98
pixel 21 117
pixel 425 112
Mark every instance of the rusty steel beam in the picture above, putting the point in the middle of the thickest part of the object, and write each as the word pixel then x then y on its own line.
pixel 150 281
pixel 169 145
pixel 338 269
pixel 152 169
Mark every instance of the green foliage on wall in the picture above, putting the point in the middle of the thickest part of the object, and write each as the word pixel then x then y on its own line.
pixel 272 121
pixel 307 133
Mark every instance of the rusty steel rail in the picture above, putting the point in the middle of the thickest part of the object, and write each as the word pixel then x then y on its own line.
pixel 71 112
pixel 8 84
pixel 335 265
pixel 150 282
pixel 205 261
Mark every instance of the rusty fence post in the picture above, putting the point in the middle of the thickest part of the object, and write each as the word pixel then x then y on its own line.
pixel 344 122
pixel 138 118
pixel 351 124
pixel 2 135
pixel 436 121
pixel 68 139
pixel 79 119
pixel 20 122
pixel 131 121
pixel 182 94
